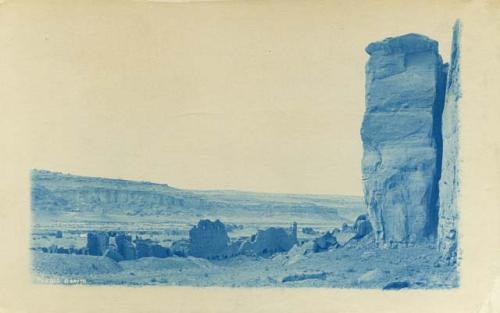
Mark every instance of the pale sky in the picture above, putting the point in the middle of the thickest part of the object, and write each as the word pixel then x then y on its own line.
pixel 258 96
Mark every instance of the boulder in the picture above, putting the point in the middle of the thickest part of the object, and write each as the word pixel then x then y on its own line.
pixel 325 242
pixel 97 242
pixel 401 136
pixel 362 228
pixel 270 241
pixel 209 240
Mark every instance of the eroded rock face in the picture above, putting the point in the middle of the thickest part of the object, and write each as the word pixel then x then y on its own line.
pixel 209 240
pixel 449 183
pixel 401 136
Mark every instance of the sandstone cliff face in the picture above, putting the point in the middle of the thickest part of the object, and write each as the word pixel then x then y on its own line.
pixel 401 134
pixel 449 183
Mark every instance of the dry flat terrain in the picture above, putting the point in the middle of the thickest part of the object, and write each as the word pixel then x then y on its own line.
pixel 366 267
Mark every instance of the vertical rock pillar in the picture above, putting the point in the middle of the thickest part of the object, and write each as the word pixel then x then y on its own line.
pixel 401 134
pixel 449 183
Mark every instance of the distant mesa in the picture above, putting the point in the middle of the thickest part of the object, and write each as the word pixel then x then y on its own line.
pixel 55 193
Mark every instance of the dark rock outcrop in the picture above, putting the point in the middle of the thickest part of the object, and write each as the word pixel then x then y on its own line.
pixel 209 240
pixel 97 242
pixel 362 226
pixel 125 246
pixel 401 134
pixel 325 242
pixel 269 241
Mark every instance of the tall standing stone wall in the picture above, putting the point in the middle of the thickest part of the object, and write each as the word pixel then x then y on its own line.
pixel 449 183
pixel 401 134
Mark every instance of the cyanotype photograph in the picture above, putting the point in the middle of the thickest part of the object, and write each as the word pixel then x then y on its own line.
pixel 259 156
pixel 401 232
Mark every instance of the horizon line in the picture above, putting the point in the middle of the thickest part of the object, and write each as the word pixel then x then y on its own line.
pixel 194 190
